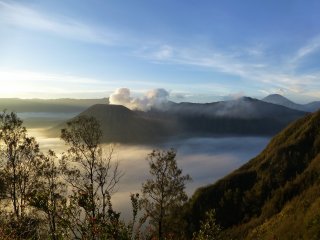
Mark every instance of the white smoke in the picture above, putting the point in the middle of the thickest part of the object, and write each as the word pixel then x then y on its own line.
pixel 234 96
pixel 155 98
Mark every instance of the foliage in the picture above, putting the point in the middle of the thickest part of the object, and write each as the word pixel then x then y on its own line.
pixel 93 178
pixel 49 196
pixel 274 196
pixel 263 187
pixel 209 229
pixel 43 205
pixel 164 192
pixel 19 161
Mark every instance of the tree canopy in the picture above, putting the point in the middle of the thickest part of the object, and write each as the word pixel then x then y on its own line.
pixel 163 193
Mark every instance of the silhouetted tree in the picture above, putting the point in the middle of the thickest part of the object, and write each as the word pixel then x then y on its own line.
pixel 164 192
pixel 93 178
pixel 49 195
pixel 19 161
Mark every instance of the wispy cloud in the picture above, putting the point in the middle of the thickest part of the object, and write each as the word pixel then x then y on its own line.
pixel 234 62
pixel 26 76
pixel 27 83
pixel 164 52
pixel 247 63
pixel 312 46
pixel 18 15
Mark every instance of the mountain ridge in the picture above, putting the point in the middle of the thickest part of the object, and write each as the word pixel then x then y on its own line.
pixel 283 101
pixel 248 117
pixel 257 192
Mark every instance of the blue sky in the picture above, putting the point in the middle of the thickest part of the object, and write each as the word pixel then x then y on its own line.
pixel 197 50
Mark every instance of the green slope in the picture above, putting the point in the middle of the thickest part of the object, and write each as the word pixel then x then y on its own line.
pixel 264 187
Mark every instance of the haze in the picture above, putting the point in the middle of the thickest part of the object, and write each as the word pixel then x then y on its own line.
pixel 205 159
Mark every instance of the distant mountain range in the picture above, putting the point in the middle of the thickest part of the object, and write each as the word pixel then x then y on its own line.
pixel 281 100
pixel 62 105
pixel 67 105
pixel 245 116
pixel 276 195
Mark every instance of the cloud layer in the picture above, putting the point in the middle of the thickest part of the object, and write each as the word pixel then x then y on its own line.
pixel 205 159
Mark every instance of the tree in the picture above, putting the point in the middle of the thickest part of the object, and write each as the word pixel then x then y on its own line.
pixel 209 229
pixel 19 161
pixel 93 178
pixel 49 195
pixel 164 192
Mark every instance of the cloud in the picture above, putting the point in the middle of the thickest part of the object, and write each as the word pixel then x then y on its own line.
pixel 311 47
pixel 153 98
pixel 234 96
pixel 30 84
pixel 232 63
pixel 163 53
pixel 205 159
pixel 247 63
pixel 180 95
pixel 255 51
pixel 14 14
pixel 273 91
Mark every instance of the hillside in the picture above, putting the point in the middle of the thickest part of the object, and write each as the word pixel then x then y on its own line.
pixel 242 108
pixel 119 124
pixel 281 100
pixel 276 194
pixel 243 117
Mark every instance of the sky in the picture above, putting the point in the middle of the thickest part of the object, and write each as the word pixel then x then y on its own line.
pixel 198 51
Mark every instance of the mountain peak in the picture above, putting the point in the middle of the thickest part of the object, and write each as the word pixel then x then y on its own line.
pixel 277 99
pixel 283 101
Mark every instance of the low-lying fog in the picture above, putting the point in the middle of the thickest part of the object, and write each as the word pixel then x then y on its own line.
pixel 205 159
pixel 48 115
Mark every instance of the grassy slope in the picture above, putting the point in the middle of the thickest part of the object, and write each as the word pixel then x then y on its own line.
pixel 261 189
pixel 300 217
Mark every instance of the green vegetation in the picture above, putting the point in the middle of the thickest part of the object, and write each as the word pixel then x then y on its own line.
pixel 270 194
pixel 163 195
pixel 69 197
pixel 209 229
pixel 92 177
pixel 276 195
pixel 46 197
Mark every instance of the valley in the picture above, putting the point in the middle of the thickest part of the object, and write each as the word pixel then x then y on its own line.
pixel 207 138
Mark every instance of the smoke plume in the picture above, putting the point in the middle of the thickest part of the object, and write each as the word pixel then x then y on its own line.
pixel 155 98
